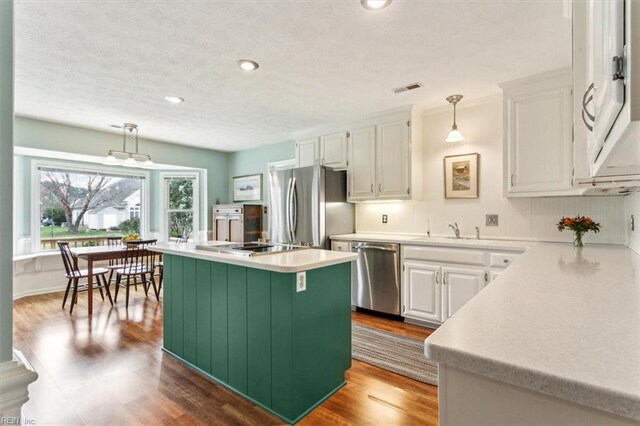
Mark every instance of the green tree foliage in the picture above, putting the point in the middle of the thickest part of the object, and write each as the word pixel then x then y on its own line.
pixel 56 214
pixel 130 226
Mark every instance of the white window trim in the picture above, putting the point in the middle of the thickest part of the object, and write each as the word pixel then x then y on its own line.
pixel 35 191
pixel 164 196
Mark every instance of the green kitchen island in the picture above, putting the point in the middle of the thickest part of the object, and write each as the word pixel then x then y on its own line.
pixel 244 322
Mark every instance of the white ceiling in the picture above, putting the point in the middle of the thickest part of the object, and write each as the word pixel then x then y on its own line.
pixel 94 63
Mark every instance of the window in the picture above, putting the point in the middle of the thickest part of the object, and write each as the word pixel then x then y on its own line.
pixel 181 206
pixel 134 211
pixel 86 207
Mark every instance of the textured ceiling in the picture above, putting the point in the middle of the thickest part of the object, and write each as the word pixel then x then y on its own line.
pixel 94 63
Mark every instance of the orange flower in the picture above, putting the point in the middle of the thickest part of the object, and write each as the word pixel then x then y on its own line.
pixel 587 221
pixel 568 221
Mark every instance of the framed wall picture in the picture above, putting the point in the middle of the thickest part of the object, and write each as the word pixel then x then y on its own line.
pixel 461 176
pixel 247 188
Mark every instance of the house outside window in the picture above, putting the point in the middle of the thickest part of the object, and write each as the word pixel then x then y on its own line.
pixel 85 207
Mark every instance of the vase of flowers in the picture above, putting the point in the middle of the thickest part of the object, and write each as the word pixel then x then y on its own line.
pixel 579 225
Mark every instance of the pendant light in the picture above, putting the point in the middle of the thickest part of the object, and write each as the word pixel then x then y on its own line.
pixel 454 135
pixel 130 158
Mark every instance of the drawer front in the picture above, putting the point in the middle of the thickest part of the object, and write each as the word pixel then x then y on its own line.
pixel 502 260
pixel 228 210
pixel 341 246
pixel 446 255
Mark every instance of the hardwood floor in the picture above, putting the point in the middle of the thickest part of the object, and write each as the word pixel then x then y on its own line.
pixel 110 369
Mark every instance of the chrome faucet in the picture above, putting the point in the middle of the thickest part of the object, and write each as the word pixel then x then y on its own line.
pixel 477 233
pixel 456 230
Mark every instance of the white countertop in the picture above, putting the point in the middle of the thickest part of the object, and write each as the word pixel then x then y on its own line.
pixel 556 321
pixel 296 261
pixel 417 239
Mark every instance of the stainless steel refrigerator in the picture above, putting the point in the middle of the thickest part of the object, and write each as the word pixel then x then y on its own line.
pixel 307 205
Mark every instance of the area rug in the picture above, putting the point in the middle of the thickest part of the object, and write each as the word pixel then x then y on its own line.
pixel 398 354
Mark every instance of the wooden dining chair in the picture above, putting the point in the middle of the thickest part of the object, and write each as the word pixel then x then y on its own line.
pixel 113 263
pixel 160 264
pixel 74 274
pixel 138 262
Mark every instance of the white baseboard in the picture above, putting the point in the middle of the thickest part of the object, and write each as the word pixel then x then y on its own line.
pixel 37 291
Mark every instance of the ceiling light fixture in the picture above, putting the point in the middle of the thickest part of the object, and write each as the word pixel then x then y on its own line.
pixel 454 135
pixel 128 157
pixel 248 65
pixel 174 99
pixel 375 4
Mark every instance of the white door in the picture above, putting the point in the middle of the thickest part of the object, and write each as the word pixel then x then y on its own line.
pixel 221 227
pixel 460 285
pixel 605 44
pixel 307 152
pixel 236 228
pixel 361 173
pixel 421 290
pixel 333 150
pixel 392 152
pixel 539 122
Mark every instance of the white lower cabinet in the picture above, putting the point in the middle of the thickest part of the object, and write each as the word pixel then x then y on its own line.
pixel 459 286
pixel 422 295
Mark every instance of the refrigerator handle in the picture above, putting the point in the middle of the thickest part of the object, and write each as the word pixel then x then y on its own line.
pixel 287 210
pixel 294 210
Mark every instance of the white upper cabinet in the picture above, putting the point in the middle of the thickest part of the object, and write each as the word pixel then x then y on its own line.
pixel 538 122
pixel 393 160
pixel 382 154
pixel 333 150
pixel 361 173
pixel 606 52
pixel 307 151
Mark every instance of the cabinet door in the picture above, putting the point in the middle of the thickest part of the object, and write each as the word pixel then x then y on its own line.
pixel 333 150
pixel 460 285
pixel 221 228
pixel 605 22
pixel 421 292
pixel 538 118
pixel 361 173
pixel 307 152
pixel 392 152
pixel 236 228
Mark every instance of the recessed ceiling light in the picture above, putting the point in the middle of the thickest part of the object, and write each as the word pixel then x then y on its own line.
pixel 375 4
pixel 248 65
pixel 174 99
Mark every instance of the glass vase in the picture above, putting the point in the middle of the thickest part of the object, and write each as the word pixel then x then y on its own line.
pixel 577 241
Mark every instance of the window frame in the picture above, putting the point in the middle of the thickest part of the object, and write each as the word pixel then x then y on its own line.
pixel 164 208
pixel 73 168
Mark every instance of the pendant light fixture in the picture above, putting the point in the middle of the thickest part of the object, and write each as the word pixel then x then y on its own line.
pixel 130 158
pixel 454 135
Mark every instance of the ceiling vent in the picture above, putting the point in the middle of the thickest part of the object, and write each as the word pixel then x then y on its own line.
pixel 412 86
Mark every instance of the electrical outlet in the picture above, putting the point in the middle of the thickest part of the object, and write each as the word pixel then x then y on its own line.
pixel 491 220
pixel 385 218
pixel 265 209
pixel 301 281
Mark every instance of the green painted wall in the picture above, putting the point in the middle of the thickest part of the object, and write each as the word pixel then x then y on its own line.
pixel 40 134
pixel 256 160
pixel 6 180
pixel 32 133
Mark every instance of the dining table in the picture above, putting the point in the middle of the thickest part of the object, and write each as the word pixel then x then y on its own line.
pixel 97 254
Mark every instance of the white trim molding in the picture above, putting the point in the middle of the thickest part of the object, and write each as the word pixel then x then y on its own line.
pixel 15 377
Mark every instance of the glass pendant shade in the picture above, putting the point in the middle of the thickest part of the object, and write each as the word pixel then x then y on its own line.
pixel 110 160
pixel 148 164
pixel 130 162
pixel 454 136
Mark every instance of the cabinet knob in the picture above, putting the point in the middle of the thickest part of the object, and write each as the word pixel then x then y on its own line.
pixel 505 260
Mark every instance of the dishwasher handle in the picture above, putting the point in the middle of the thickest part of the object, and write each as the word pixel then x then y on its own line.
pixel 370 247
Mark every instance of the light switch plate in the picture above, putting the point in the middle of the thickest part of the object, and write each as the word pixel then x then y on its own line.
pixel 385 218
pixel 491 220
pixel 301 281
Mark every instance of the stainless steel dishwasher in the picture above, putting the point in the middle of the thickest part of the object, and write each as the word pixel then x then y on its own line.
pixel 376 277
